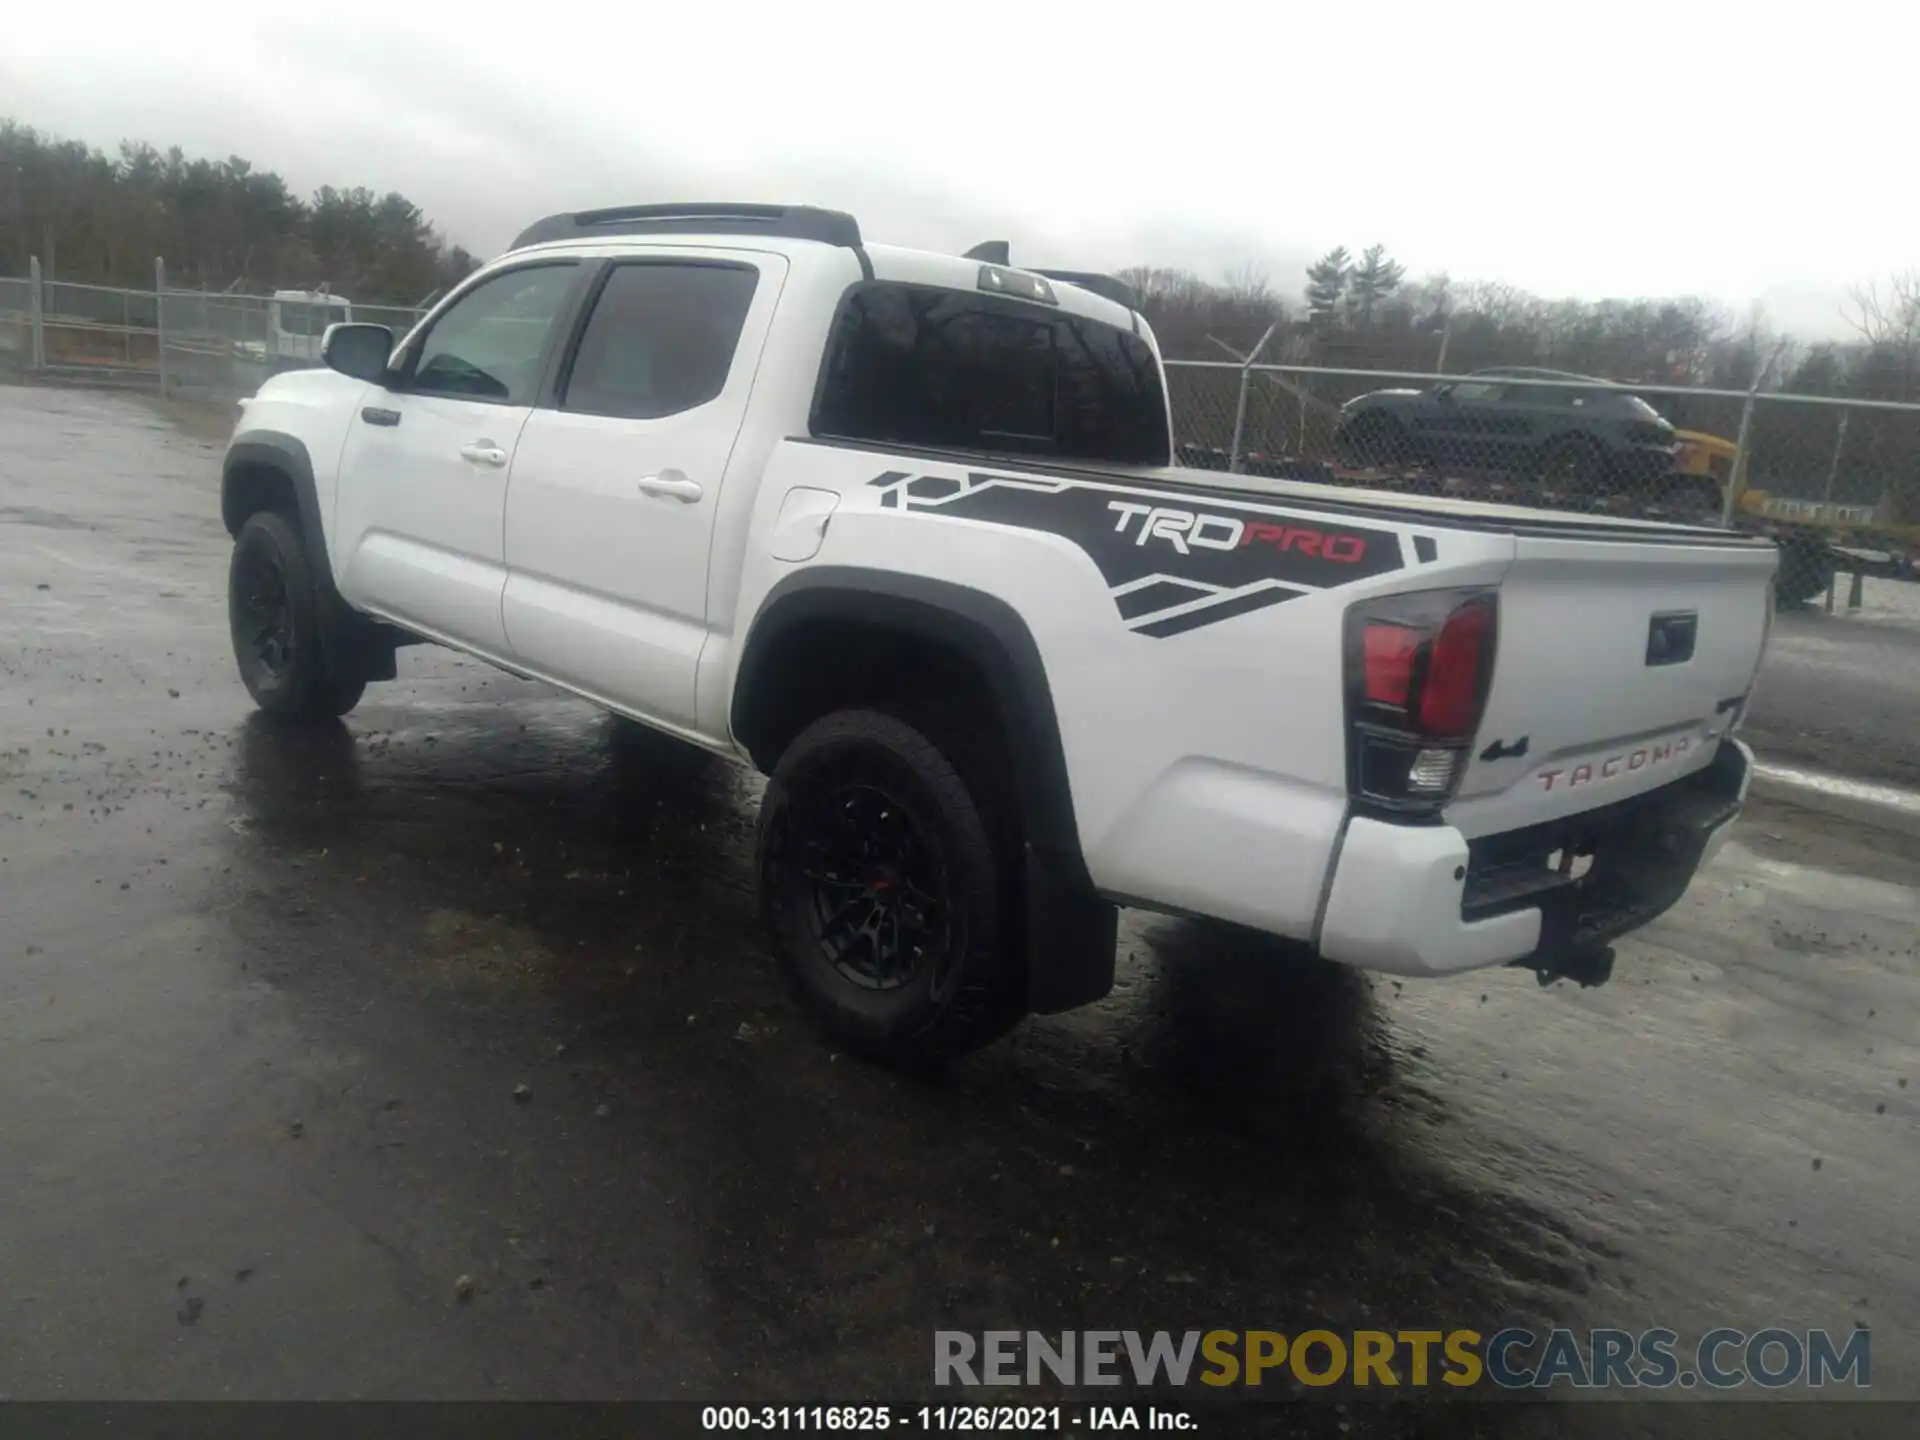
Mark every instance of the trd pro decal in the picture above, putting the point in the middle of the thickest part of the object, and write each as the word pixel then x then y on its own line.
pixel 1172 561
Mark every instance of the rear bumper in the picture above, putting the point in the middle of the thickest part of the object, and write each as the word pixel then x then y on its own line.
pixel 1424 900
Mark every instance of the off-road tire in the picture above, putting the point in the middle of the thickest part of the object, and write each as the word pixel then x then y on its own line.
pixel 965 985
pixel 273 613
pixel 1806 568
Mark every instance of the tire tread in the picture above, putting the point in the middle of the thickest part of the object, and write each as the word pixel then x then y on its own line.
pixel 989 997
pixel 317 690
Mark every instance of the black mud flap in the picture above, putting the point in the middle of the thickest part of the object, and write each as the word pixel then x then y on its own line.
pixel 351 642
pixel 1586 968
pixel 1071 934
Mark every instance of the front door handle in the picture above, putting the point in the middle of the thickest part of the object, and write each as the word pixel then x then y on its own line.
pixel 484 452
pixel 672 485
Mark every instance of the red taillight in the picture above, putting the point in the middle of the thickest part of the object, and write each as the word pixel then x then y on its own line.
pixel 1389 663
pixel 1418 668
pixel 1452 693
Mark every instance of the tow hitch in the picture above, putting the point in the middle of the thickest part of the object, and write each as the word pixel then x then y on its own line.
pixel 1586 968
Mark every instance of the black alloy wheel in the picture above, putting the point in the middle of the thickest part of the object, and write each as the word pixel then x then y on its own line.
pixel 891 888
pixel 263 622
pixel 273 615
pixel 877 894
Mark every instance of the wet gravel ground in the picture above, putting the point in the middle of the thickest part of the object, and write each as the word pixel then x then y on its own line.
pixel 1842 692
pixel 437 1054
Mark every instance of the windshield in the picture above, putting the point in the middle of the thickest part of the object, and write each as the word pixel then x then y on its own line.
pixel 299 317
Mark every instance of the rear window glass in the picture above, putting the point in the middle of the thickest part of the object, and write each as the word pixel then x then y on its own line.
pixel 918 365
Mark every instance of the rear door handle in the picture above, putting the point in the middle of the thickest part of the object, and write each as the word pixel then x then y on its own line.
pixel 672 485
pixel 484 452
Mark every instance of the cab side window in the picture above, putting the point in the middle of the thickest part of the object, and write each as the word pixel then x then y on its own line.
pixel 660 340
pixel 1477 390
pixel 489 344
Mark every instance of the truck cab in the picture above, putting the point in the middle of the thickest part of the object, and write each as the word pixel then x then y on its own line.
pixel 297 320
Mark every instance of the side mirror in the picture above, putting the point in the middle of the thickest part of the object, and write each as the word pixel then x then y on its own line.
pixel 1443 392
pixel 357 350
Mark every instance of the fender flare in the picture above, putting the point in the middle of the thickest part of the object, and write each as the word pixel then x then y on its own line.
pixel 344 633
pixel 1071 929
pixel 984 628
pixel 275 450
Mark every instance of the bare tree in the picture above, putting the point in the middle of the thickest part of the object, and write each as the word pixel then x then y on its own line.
pixel 1493 300
pixel 1889 322
pixel 1432 298
pixel 1892 318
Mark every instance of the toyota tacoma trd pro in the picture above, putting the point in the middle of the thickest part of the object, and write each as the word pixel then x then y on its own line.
pixel 900 529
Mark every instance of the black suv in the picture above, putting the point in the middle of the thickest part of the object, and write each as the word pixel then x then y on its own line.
pixel 1564 431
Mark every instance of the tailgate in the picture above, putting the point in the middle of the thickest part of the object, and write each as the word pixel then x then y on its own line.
pixel 1620 663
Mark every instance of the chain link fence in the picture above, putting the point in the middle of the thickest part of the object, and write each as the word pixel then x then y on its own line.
pixel 1835 482
pixel 95 329
pixel 209 345
pixel 17 354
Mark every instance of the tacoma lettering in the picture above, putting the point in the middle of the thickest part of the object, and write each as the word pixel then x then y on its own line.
pixel 1615 765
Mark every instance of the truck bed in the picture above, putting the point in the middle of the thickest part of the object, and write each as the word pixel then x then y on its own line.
pixel 1347 499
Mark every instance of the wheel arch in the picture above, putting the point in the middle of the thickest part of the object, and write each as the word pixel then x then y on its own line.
pixel 270 470
pixel 1575 438
pixel 1070 930
pixel 1372 410
pixel 982 630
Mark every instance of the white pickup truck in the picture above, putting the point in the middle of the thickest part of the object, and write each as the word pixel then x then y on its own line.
pixel 901 530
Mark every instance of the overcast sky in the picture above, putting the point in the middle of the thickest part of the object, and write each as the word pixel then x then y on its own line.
pixel 1618 148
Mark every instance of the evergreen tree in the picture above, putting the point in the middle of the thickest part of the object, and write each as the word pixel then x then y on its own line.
pixel 1372 281
pixel 1327 283
pixel 218 223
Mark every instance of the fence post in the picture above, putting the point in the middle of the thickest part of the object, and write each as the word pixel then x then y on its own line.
pixel 1240 411
pixel 1737 479
pixel 1833 466
pixel 37 308
pixel 160 317
pixel 1737 476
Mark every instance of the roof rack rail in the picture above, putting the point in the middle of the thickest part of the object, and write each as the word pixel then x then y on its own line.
pixel 1110 287
pixel 792 222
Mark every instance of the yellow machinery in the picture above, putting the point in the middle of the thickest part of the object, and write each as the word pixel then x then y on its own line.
pixel 1811 533
pixel 1704 456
